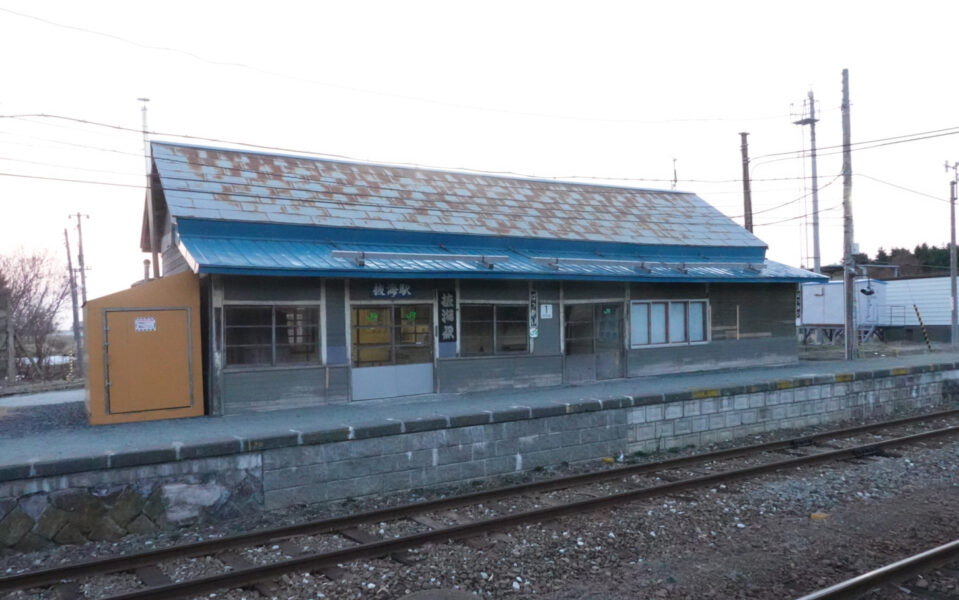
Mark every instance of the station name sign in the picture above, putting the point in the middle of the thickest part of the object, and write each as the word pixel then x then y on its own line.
pixel 391 289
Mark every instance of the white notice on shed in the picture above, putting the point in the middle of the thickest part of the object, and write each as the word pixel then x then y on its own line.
pixel 145 324
pixel 545 311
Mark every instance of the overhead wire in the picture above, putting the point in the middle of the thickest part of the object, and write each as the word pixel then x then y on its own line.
pixel 344 157
pixel 372 92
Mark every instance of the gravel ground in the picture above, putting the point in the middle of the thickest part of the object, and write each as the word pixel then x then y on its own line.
pixel 753 539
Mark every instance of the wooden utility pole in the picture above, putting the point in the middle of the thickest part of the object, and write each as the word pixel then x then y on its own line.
pixel 76 310
pixel 849 266
pixel 747 194
pixel 811 121
pixel 80 265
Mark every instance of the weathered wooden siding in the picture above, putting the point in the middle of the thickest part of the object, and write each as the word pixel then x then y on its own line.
pixel 487 373
pixel 471 290
pixel 271 289
pixel 173 262
pixel 271 389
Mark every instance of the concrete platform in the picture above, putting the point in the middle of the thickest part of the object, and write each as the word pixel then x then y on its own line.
pixel 62 482
pixel 59 451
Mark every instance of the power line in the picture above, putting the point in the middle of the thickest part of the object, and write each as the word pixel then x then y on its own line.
pixel 909 137
pixel 327 155
pixel 324 155
pixel 798 217
pixel 354 89
pixel 905 189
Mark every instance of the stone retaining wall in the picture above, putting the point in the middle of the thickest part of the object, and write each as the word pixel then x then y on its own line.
pixel 82 499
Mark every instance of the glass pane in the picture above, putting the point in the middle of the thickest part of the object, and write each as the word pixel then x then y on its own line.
pixel 476 338
pixel 511 336
pixel 248 315
pixel 297 334
pixel 677 322
pixel 374 316
pixel 414 324
pixel 518 314
pixel 697 321
pixel 245 336
pixel 414 314
pixel 607 323
pixel 406 355
pixel 248 334
pixel 657 323
pixel 639 324
pixel 483 313
pixel 249 355
pixel 476 330
pixel 372 356
pixel 297 353
pixel 297 324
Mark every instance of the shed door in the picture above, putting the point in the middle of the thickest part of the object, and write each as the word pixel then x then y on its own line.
pixel 147 358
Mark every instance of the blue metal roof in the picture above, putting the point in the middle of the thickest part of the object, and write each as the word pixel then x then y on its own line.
pixel 233 185
pixel 251 249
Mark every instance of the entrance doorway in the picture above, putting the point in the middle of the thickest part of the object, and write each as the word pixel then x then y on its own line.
pixel 392 350
pixel 594 342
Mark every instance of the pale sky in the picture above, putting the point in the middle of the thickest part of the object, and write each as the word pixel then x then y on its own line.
pixel 603 90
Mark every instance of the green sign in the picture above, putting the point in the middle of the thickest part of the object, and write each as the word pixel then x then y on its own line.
pixel 372 316
pixel 411 316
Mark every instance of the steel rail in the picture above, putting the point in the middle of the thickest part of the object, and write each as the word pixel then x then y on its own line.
pixel 855 587
pixel 241 577
pixel 123 563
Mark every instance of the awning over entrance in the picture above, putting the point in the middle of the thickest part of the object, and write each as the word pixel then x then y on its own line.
pixel 259 249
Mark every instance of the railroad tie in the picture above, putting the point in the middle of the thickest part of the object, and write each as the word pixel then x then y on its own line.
pixel 152 576
pixel 238 562
pixel 69 590
pixel 359 536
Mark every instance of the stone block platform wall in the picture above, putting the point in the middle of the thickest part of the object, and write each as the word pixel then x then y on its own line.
pixel 103 498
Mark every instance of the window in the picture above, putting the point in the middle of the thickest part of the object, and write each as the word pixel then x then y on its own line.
pixel 392 335
pixel 493 329
pixel 668 322
pixel 271 335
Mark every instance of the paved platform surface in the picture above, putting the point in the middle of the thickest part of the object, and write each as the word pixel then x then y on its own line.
pixel 35 447
pixel 42 398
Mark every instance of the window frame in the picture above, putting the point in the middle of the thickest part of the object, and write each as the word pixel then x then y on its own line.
pixel 707 318
pixel 495 321
pixel 394 327
pixel 273 306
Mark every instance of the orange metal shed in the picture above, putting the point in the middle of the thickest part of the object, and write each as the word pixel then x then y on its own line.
pixel 144 354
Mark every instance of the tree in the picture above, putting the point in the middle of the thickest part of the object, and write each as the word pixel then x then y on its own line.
pixel 38 289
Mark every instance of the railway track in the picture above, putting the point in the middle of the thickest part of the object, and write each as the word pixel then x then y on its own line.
pixel 894 573
pixel 62 582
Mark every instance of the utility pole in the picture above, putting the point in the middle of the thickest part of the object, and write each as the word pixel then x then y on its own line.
pixel 954 338
pixel 76 310
pixel 80 265
pixel 849 267
pixel 747 194
pixel 811 121
pixel 149 193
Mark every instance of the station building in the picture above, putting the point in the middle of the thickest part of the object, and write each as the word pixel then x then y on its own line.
pixel 324 281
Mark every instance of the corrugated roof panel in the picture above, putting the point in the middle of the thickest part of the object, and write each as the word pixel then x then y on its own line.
pixel 196 180
pixel 258 255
